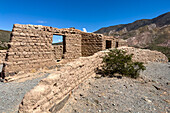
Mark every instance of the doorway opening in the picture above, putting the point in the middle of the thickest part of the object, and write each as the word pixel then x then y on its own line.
pixel 59 46
pixel 108 44
pixel 60 40
pixel 117 45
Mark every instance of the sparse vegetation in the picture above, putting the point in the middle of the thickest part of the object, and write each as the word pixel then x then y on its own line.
pixel 117 61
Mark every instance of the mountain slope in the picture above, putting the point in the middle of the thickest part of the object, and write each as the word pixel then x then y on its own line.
pixel 146 33
pixel 159 21
pixel 4 38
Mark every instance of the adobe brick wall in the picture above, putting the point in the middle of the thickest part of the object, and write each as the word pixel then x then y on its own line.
pixel 31 47
pixel 91 43
pixel 52 89
pixel 73 46
pixel 58 52
pixel 113 40
pixel 2 56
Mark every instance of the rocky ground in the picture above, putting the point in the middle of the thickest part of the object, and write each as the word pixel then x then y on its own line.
pixel 12 93
pixel 148 94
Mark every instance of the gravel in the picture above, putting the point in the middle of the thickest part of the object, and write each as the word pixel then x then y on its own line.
pixel 11 94
pixel 150 93
pixel 147 94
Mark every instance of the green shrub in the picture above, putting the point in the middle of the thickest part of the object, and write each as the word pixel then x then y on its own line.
pixel 117 61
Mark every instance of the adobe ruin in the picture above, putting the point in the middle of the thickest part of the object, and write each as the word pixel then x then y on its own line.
pixel 31 48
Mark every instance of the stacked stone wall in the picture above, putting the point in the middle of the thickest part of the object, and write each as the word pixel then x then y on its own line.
pixel 73 46
pixel 58 52
pixel 91 43
pixel 113 40
pixel 51 90
pixel 30 49
pixel 110 38
pixel 145 55
pixel 2 56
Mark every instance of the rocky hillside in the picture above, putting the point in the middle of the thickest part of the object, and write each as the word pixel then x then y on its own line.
pixel 146 33
pixel 4 38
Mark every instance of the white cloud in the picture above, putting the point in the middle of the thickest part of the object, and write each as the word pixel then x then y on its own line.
pixel 59 40
pixel 41 22
pixel 84 29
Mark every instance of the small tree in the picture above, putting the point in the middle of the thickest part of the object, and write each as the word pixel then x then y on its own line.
pixel 117 61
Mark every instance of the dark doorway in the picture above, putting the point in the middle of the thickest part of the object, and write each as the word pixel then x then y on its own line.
pixel 64 44
pixel 117 45
pixel 108 44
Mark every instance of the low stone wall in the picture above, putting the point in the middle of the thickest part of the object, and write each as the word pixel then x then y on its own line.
pixel 2 56
pixel 145 55
pixel 58 52
pixel 51 90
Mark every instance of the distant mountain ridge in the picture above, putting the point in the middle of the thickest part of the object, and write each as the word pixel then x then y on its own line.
pixel 153 33
pixel 159 21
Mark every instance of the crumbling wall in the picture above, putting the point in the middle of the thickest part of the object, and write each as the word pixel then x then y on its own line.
pixel 51 90
pixel 145 55
pixel 58 52
pixel 2 56
pixel 30 49
pixel 91 43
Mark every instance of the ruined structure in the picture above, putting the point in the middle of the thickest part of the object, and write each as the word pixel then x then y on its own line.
pixel 31 47
pixel 50 91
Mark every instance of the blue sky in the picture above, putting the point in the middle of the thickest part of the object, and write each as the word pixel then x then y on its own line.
pixel 89 14
pixel 57 38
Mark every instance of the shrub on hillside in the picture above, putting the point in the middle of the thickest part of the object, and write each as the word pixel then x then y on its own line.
pixel 117 61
